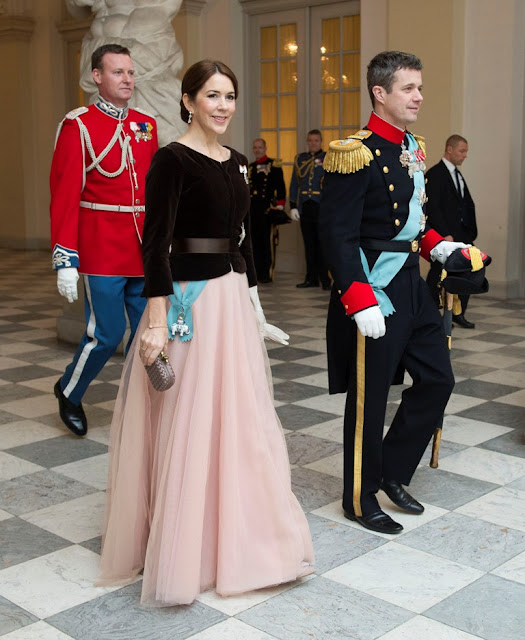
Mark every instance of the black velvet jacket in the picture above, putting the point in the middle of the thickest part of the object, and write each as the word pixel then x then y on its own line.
pixel 189 195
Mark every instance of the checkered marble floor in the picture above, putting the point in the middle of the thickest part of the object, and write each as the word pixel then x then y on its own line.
pixel 455 573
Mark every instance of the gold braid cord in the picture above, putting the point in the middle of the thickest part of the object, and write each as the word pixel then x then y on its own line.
pixel 421 143
pixel 475 259
pixel 347 156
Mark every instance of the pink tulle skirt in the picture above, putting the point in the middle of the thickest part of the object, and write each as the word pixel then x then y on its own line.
pixel 199 491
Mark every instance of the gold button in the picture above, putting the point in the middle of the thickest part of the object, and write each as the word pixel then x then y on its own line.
pixel 426 200
pixel 339 291
pixel 137 201
pixel 346 306
pixel 390 187
pixel 426 180
pixel 426 218
pixel 378 153
pixel 397 222
pixel 385 169
pixel 395 205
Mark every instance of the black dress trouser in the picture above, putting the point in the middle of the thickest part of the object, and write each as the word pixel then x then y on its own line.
pixel 316 268
pixel 414 339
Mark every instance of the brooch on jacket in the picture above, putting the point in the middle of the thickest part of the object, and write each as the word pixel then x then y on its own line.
pixel 243 169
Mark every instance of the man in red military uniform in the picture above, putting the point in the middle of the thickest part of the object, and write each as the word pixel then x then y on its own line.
pixel 97 184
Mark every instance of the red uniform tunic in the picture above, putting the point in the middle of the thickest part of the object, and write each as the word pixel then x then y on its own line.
pixel 98 241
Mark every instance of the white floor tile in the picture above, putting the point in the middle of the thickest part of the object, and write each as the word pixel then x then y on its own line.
pixel 231 630
pixel 426 579
pixel 12 467
pixel 502 376
pixel 470 432
pixel 15 434
pixel 91 471
pixel 490 360
pixel 31 407
pixel 331 430
pixel 38 631
pixel 421 628
pixel 329 403
pixel 54 582
pixel 517 398
pixel 75 520
pixel 482 464
pixel 513 569
pixel 504 506
pixel 333 465
pixel 458 402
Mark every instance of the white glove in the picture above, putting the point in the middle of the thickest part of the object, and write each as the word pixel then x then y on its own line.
pixel 266 330
pixel 67 283
pixel 295 215
pixel 370 322
pixel 442 250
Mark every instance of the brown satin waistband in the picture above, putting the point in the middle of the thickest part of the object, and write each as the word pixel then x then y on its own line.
pixel 204 245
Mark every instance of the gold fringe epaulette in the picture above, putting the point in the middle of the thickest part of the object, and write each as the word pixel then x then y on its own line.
pixel 347 156
pixel 421 143
pixel 277 163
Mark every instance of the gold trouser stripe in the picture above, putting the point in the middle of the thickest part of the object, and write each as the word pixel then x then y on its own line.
pixel 359 421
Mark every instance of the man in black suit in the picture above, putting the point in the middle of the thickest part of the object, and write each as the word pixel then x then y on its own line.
pixel 451 211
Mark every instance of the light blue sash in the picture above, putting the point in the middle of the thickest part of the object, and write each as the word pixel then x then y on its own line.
pixel 389 263
pixel 180 321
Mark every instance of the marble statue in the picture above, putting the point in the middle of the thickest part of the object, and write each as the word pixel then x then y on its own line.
pixel 145 28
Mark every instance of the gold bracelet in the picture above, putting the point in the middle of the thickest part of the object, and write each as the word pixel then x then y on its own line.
pixel 157 326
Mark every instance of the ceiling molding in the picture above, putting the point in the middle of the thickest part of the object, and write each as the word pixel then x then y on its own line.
pixel 193 7
pixel 254 7
pixel 16 28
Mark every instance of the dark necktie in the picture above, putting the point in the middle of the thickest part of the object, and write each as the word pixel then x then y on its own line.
pixel 458 184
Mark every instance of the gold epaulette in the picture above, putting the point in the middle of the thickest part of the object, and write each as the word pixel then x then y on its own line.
pixel 421 143
pixel 277 163
pixel 347 156
pixel 76 112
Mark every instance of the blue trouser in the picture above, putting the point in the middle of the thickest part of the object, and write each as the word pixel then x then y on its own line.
pixel 106 301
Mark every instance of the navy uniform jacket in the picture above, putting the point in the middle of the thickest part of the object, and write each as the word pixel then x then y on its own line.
pixel 267 182
pixel 307 178
pixel 368 201
pixel 449 213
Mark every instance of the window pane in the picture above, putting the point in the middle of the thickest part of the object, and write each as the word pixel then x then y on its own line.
pixel 269 77
pixel 351 108
pixel 271 142
pixel 288 76
pixel 329 72
pixel 329 135
pixel 268 113
pixel 330 36
pixel 269 42
pixel 351 33
pixel 351 77
pixel 330 104
pixel 288 111
pixel 287 171
pixel 288 145
pixel 288 40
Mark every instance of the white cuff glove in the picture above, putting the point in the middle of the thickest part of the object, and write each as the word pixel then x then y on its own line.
pixel 266 330
pixel 295 215
pixel 370 322
pixel 442 250
pixel 67 283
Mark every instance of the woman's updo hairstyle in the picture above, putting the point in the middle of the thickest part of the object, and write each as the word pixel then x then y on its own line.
pixel 197 76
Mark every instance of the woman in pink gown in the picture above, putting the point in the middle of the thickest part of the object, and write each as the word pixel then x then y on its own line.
pixel 199 491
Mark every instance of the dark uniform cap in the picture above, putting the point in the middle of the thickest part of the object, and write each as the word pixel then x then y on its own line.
pixel 461 278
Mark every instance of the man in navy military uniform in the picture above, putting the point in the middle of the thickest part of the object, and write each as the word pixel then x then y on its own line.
pixel 381 315
pixel 267 191
pixel 305 195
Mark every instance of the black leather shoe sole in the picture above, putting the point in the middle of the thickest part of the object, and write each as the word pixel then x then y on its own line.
pixel 327 286
pixel 72 416
pixel 379 522
pixel 402 499
pixel 306 284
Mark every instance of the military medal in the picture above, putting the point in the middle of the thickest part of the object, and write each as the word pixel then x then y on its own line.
pixel 244 171
pixel 180 327
pixel 414 161
pixel 142 130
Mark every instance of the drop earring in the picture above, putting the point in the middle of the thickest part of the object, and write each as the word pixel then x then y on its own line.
pixel 190 117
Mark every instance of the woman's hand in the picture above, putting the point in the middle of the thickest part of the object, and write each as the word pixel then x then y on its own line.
pixel 152 341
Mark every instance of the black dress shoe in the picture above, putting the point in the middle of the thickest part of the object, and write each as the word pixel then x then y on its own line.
pixel 72 415
pixel 378 521
pixel 327 286
pixel 395 491
pixel 461 321
pixel 306 284
pixel 264 280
